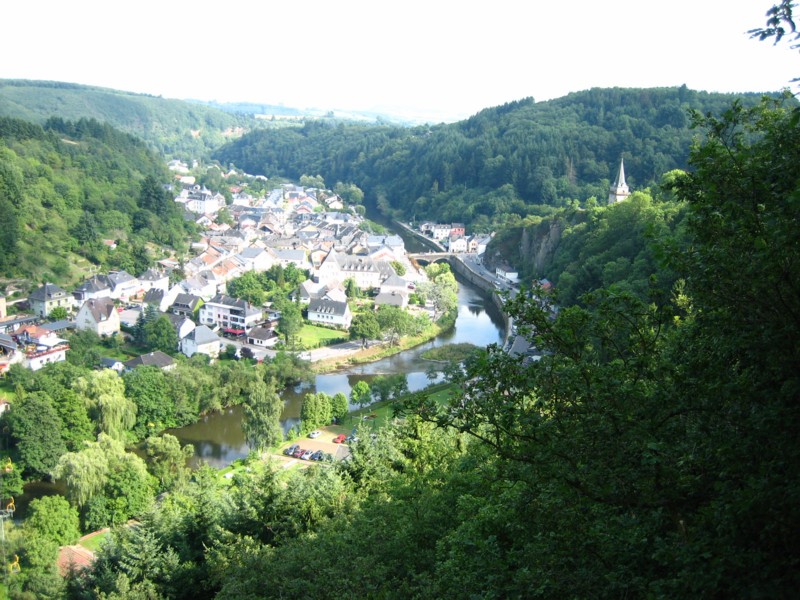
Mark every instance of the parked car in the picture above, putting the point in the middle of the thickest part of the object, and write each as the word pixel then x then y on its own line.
pixel 307 455
pixel 314 434
pixel 317 455
pixel 298 453
pixel 351 438
pixel 339 438
pixel 290 450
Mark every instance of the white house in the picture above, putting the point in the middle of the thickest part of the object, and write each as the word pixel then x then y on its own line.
pixel 183 325
pixel 367 273
pixel 508 274
pixel 232 314
pixel 262 337
pixel 93 288
pixel 201 341
pixel 201 201
pixel 457 243
pixel 257 259
pixel 392 298
pixel 441 231
pixel 123 285
pixel 160 299
pixel 98 315
pixel 330 312
pixel 154 279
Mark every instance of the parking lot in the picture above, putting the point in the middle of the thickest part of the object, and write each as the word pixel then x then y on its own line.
pixel 324 442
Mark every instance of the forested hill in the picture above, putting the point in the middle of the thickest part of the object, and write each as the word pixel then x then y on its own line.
pixel 66 186
pixel 503 161
pixel 173 127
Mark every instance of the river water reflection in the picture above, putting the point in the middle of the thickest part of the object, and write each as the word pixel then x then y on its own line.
pixel 218 439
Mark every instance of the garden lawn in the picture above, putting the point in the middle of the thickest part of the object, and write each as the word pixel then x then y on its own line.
pixel 94 542
pixel 6 392
pixel 312 336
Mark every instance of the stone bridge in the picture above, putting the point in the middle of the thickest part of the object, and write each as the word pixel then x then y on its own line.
pixel 430 257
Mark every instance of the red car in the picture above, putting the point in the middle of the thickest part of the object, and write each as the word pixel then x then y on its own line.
pixel 339 438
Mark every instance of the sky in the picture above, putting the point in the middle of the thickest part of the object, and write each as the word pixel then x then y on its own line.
pixel 435 60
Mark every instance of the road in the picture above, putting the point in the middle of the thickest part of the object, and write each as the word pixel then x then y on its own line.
pixel 318 354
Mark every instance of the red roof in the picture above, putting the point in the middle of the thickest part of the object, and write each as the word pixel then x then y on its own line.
pixel 74 557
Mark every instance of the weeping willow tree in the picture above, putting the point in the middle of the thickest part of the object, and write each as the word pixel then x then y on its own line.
pixel 85 472
pixel 104 393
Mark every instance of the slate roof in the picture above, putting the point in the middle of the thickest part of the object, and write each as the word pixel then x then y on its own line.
pixel 243 305
pixel 93 285
pixel 153 296
pixel 152 359
pixel 187 301
pixel 393 298
pixel 6 341
pixel 100 308
pixel 46 292
pixel 394 281
pixel 151 275
pixel 59 325
pixel 327 307
pixel 203 335
pixel 116 278
pixel 261 333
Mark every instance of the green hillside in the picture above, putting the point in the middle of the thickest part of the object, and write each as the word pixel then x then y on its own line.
pixel 68 185
pixel 175 128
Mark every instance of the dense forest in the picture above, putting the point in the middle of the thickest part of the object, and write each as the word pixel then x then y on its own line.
pixel 499 166
pixel 66 185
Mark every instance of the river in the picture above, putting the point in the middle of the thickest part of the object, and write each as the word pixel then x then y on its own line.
pixel 218 440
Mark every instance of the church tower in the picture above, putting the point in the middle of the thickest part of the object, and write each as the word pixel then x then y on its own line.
pixel 619 190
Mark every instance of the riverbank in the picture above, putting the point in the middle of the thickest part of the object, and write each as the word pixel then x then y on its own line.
pixel 378 350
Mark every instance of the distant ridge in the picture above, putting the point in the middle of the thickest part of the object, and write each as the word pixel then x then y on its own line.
pixel 172 127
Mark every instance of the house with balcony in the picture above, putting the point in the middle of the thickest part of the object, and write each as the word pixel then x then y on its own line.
pixel 39 346
pixel 186 305
pixel 233 315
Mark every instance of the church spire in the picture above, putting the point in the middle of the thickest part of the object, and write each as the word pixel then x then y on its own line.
pixel 619 190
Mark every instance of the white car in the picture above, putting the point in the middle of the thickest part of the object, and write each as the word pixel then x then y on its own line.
pixel 314 434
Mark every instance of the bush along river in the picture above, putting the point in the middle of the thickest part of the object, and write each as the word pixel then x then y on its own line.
pixel 218 440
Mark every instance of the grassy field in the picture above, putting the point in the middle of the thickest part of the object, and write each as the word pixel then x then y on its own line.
pixel 312 336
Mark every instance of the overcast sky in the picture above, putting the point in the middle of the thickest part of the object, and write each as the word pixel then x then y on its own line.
pixel 439 59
